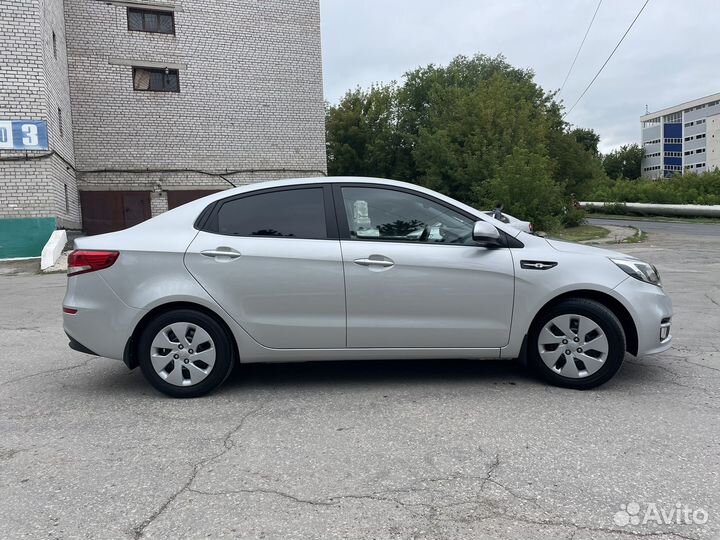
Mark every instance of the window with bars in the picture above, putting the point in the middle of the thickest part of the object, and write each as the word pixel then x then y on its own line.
pixel 151 20
pixel 156 79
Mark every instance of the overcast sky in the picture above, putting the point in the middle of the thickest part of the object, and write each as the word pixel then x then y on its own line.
pixel 671 55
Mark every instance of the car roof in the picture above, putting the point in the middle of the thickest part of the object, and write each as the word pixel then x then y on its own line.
pixel 189 212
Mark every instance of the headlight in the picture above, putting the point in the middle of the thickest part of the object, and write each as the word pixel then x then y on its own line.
pixel 639 270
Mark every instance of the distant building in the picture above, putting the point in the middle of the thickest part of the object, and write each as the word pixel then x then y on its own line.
pixel 683 138
pixel 114 111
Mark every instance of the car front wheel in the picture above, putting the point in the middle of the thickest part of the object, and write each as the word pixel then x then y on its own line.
pixel 577 343
pixel 185 353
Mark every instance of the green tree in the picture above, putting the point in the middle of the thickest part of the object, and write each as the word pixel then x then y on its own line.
pixel 587 138
pixel 624 162
pixel 361 133
pixel 524 186
pixel 458 127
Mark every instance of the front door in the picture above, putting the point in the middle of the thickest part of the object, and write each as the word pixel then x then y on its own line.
pixel 269 260
pixel 415 278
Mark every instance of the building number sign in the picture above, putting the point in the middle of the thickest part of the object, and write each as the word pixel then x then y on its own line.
pixel 23 135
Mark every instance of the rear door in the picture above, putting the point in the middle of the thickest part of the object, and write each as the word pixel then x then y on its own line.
pixel 272 260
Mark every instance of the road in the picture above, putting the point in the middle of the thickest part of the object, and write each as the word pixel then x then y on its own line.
pixel 664 227
pixel 385 450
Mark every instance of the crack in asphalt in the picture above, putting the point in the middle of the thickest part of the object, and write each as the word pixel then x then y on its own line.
pixel 434 508
pixel 283 494
pixel 575 527
pixel 48 371
pixel 382 495
pixel 139 530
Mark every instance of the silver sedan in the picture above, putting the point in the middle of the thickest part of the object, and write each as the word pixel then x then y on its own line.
pixel 349 269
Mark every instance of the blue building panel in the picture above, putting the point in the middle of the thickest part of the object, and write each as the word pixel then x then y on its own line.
pixel 673 161
pixel 672 147
pixel 672 131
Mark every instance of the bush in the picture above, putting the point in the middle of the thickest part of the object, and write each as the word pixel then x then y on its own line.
pixel 526 190
pixel 574 217
pixel 680 189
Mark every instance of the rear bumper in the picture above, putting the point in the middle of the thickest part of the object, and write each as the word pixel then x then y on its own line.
pixel 652 312
pixel 75 345
pixel 103 323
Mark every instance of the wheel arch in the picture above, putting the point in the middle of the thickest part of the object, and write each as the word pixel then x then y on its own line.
pixel 613 304
pixel 130 355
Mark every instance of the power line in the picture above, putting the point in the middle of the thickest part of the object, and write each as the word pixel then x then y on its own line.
pixel 608 59
pixel 581 46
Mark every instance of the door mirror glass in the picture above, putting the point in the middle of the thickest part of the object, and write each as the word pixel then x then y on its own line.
pixel 484 233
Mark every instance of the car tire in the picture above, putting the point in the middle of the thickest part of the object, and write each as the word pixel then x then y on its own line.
pixel 590 344
pixel 185 353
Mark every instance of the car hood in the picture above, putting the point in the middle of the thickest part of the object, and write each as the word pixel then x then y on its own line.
pixel 582 249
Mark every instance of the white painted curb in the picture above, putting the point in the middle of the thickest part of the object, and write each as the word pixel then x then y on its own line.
pixel 52 250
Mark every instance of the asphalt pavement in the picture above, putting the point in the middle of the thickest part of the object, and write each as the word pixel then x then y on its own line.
pixel 436 450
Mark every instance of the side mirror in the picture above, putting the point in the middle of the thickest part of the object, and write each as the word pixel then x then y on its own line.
pixel 484 233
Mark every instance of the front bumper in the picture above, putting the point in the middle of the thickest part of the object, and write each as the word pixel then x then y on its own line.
pixel 651 309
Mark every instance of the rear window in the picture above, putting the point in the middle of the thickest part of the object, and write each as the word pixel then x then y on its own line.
pixel 296 213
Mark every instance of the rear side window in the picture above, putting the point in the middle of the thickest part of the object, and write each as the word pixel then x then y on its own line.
pixel 296 213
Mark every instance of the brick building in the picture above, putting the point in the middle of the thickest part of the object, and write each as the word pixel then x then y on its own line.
pixel 149 104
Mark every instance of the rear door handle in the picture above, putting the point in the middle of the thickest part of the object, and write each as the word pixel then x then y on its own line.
pixel 221 252
pixel 383 263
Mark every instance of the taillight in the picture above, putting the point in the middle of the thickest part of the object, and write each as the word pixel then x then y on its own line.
pixel 81 261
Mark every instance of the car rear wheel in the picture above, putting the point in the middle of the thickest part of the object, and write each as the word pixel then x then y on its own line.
pixel 185 353
pixel 577 343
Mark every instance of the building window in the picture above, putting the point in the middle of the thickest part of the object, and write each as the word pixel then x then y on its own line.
pixel 654 141
pixel 700 121
pixel 701 136
pixel 67 201
pixel 673 140
pixel 156 80
pixel 700 151
pixel 54 41
pixel 150 20
pixel 60 122
pixel 674 118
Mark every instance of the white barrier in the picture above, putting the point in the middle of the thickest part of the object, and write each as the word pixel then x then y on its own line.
pixel 53 248
pixel 693 210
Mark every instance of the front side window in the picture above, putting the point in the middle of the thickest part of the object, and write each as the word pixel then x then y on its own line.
pixel 150 20
pixel 156 80
pixel 295 213
pixel 386 214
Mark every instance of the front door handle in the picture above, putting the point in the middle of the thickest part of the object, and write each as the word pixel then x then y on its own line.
pixel 221 252
pixel 383 263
